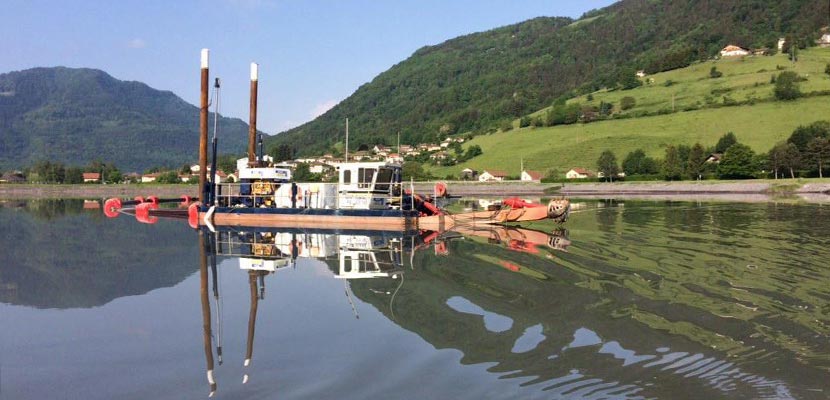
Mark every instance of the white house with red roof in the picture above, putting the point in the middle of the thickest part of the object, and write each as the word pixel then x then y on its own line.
pixel 91 177
pixel 579 173
pixel 492 175
pixel 733 51
pixel 531 176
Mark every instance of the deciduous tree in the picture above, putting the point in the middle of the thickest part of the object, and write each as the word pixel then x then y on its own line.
pixel 672 169
pixel 637 163
pixel 738 162
pixel 696 160
pixel 787 87
pixel 818 153
pixel 725 142
pixel 627 103
pixel 607 164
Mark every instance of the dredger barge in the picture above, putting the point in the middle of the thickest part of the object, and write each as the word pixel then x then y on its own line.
pixel 367 195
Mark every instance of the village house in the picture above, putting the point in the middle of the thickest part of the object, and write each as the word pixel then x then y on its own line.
pixel 641 74
pixel 319 168
pixel 579 173
pixel 824 41
pixel 468 174
pixel 381 150
pixel 92 177
pixel 531 176
pixel 441 155
pixel 12 177
pixel 714 158
pixel 147 178
pixel 733 51
pixel 359 155
pixel 449 141
pixel 394 158
pixel 492 175
pixel 781 42
pixel 221 176
pixel 92 205
pixel 133 177
pixel 186 178
pixel 405 148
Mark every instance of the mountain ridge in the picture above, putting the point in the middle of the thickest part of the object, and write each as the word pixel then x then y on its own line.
pixel 77 115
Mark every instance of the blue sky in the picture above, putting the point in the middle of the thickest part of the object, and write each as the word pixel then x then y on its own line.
pixel 312 54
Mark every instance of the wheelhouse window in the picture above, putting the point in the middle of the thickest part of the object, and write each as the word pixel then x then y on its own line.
pixel 347 177
pixel 364 177
pixel 384 179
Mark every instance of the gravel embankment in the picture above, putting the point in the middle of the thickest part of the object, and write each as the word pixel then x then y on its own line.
pixel 15 191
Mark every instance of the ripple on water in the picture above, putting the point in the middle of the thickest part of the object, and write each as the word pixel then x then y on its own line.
pixel 492 322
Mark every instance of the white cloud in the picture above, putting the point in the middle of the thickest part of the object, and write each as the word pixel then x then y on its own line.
pixel 321 108
pixel 137 43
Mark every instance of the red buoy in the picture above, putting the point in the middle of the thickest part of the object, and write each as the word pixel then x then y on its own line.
pixel 185 201
pixel 138 199
pixel 152 199
pixel 111 207
pixel 440 189
pixel 142 213
pixel 193 215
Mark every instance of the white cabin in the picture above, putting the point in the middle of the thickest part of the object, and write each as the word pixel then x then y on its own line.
pixel 368 185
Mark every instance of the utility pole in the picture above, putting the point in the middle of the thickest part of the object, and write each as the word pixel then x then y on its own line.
pixel 347 140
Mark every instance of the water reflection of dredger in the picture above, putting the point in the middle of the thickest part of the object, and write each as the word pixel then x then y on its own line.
pixel 514 238
pixel 357 255
pixel 262 252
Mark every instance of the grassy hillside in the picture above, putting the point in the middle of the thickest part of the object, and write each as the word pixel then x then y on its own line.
pixel 759 125
pixel 483 80
pixel 744 79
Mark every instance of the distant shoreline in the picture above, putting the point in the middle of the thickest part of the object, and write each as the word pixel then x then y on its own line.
pixel 783 187
pixel 56 191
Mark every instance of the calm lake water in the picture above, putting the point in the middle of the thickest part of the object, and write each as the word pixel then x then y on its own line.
pixel 631 300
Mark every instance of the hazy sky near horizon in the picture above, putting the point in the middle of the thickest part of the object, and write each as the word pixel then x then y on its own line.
pixel 312 54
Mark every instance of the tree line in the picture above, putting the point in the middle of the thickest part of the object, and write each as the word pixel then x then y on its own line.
pixel 806 153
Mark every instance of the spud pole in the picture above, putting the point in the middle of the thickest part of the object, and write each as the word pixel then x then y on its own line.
pixel 203 128
pixel 252 157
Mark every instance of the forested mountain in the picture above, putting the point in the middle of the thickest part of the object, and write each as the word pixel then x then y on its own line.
pixel 481 80
pixel 79 115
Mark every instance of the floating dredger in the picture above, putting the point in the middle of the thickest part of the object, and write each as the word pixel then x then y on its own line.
pixel 367 195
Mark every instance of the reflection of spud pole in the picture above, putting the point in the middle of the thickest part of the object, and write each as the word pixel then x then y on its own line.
pixel 203 276
pixel 253 276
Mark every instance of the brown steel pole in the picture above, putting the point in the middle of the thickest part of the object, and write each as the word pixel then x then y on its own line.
pixel 203 127
pixel 253 276
pixel 203 289
pixel 252 161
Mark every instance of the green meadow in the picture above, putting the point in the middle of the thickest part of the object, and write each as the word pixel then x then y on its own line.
pixel 759 121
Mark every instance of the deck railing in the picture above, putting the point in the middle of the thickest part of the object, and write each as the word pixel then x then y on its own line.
pixel 309 195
